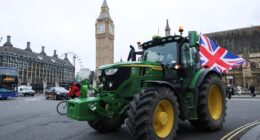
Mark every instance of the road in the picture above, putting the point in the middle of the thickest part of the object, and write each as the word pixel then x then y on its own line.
pixel 34 118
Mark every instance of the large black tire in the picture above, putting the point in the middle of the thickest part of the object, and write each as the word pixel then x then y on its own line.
pixel 211 105
pixel 154 114
pixel 106 125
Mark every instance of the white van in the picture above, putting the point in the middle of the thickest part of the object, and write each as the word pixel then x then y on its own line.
pixel 25 90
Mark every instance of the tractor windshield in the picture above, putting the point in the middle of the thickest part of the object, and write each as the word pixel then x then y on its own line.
pixel 164 53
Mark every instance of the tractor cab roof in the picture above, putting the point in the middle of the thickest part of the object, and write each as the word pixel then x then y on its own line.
pixel 158 40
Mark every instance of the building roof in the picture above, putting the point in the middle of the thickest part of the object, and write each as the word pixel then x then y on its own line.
pixel 104 11
pixel 104 4
pixel 6 49
pixel 241 31
pixel 239 41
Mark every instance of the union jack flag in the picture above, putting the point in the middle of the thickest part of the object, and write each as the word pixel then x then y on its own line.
pixel 215 57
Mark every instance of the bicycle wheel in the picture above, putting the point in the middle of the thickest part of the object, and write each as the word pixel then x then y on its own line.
pixel 62 108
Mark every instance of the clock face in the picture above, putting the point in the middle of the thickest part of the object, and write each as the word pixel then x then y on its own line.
pixel 101 28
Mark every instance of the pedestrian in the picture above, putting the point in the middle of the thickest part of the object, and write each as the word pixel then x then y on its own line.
pixel 252 90
pixel 230 91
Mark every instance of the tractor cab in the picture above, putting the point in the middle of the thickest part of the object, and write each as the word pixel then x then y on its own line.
pixel 177 55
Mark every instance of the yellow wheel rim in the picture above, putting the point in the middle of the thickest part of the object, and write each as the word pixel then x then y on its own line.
pixel 163 118
pixel 215 102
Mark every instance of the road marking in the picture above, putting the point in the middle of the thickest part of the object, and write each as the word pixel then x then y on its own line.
pixel 233 133
pixel 32 99
pixel 241 130
pixel 22 100
pixel 245 99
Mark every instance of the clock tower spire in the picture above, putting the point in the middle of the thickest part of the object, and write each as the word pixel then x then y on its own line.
pixel 104 37
pixel 167 29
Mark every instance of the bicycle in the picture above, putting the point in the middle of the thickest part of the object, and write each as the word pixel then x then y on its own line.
pixel 62 107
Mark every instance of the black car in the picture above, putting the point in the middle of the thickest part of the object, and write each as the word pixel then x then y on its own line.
pixel 56 93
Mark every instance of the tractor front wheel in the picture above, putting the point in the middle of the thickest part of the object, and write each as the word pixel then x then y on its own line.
pixel 154 114
pixel 211 105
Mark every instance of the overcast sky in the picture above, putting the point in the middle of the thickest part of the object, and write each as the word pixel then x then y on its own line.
pixel 69 25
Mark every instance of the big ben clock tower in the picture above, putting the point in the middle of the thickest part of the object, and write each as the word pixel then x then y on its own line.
pixel 104 37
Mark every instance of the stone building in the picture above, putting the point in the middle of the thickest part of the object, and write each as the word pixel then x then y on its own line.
pixel 36 69
pixel 104 37
pixel 244 42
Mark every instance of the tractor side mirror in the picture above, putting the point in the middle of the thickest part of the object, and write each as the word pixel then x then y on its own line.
pixel 192 38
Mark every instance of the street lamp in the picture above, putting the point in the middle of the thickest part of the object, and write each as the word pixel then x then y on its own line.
pixel 74 59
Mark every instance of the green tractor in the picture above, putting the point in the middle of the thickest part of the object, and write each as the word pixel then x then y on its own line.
pixel 167 84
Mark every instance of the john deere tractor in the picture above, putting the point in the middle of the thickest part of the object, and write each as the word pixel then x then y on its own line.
pixel 167 84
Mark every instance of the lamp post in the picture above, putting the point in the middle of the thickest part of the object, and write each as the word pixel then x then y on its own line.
pixel 74 59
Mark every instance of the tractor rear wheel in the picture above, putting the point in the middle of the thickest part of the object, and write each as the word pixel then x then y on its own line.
pixel 154 114
pixel 211 105
pixel 105 126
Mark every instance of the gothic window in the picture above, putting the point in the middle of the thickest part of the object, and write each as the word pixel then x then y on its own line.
pixel 4 58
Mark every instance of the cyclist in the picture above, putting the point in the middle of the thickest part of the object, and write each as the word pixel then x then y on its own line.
pixel 74 90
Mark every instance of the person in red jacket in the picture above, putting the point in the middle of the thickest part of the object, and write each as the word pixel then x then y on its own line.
pixel 74 90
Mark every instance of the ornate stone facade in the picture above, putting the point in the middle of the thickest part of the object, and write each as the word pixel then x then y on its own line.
pixel 36 69
pixel 104 37
pixel 244 42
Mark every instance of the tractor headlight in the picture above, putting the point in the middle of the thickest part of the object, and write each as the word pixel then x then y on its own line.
pixel 92 107
pixel 110 84
pixel 111 71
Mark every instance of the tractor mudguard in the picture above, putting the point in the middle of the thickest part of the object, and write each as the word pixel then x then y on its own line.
pixel 197 81
pixel 180 97
pixel 204 74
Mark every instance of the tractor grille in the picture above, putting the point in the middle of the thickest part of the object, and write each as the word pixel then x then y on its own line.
pixel 112 82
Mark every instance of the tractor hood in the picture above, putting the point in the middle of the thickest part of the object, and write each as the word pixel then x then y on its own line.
pixel 153 65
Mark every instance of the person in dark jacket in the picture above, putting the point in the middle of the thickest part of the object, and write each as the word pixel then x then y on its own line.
pixel 74 90
pixel 230 91
pixel 252 90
